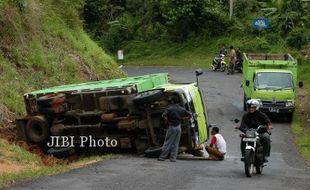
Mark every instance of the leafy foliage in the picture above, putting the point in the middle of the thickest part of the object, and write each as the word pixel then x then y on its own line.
pixel 115 22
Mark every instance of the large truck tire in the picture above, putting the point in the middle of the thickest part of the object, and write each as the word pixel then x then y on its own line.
pixel 37 129
pixel 51 99
pixel 146 97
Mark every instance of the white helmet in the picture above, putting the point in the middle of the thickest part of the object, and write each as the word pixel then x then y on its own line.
pixel 253 103
pixel 222 55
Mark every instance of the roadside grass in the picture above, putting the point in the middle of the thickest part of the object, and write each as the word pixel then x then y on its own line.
pixel 301 123
pixel 198 52
pixel 300 128
pixel 30 166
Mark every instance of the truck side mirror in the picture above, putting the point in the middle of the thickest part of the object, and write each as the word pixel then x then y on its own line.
pixel 247 83
pixel 199 72
pixel 300 84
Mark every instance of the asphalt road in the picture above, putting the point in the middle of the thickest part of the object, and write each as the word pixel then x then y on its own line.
pixel 285 170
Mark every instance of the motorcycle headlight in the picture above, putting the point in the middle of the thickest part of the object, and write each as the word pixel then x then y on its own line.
pixel 289 103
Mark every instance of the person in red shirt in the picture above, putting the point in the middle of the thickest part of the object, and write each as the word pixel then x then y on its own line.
pixel 217 147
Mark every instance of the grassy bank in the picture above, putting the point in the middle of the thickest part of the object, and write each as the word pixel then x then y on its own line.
pixel 20 164
pixel 42 44
pixel 301 123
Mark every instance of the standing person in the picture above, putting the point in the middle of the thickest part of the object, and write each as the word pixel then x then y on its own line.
pixel 217 147
pixel 239 58
pixel 232 61
pixel 223 50
pixel 173 115
pixel 252 119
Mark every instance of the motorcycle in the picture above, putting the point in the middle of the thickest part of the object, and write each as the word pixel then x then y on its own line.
pixel 219 63
pixel 235 67
pixel 253 154
pixel 238 65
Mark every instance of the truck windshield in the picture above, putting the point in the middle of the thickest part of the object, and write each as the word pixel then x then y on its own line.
pixel 274 81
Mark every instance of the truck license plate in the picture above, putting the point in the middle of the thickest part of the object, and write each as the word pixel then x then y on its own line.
pixel 274 110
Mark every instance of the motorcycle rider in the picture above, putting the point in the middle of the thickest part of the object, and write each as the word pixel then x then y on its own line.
pixel 239 58
pixel 252 119
pixel 223 50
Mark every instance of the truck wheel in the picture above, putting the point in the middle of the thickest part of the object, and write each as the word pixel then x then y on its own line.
pixel 289 117
pixel 61 152
pixel 146 97
pixel 37 129
pixel 50 99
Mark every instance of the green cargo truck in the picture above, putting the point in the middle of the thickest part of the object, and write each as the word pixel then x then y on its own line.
pixel 272 79
pixel 126 110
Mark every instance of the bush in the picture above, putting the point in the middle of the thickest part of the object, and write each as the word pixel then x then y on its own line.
pixel 297 38
pixel 244 7
pixel 258 44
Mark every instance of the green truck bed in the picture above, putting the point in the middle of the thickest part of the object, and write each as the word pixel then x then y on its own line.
pixel 138 84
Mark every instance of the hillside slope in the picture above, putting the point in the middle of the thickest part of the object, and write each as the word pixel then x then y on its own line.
pixel 42 44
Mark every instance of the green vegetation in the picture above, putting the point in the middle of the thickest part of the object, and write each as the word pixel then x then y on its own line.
pixel 302 135
pixel 42 44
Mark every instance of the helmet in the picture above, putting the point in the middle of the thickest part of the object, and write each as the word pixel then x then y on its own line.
pixel 222 55
pixel 253 103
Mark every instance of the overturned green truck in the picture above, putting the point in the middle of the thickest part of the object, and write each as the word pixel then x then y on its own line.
pixel 127 110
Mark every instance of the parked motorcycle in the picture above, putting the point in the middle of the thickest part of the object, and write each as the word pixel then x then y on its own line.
pixel 219 63
pixel 238 65
pixel 253 154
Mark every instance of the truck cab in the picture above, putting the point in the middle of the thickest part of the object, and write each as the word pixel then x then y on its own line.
pixel 271 79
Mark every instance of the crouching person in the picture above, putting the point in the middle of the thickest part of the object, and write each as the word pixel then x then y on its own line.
pixel 173 115
pixel 217 147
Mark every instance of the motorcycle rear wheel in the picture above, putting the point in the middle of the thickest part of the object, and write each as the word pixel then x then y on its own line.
pixel 223 68
pixel 248 162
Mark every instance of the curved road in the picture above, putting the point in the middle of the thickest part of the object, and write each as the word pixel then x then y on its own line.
pixel 285 170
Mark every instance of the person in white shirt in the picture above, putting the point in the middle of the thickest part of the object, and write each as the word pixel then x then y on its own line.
pixel 217 147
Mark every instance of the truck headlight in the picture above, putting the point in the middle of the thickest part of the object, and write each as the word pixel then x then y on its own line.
pixel 289 103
